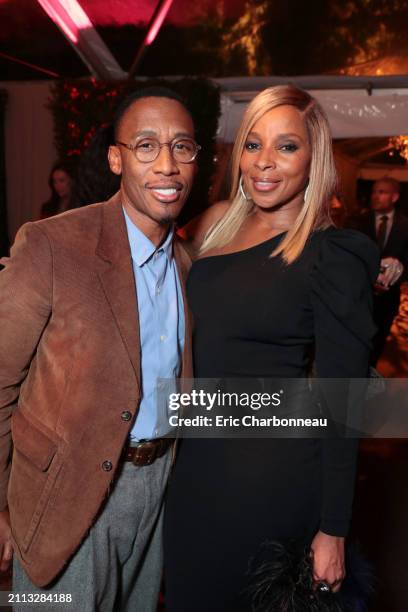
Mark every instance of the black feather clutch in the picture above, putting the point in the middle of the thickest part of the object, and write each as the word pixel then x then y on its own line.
pixel 280 579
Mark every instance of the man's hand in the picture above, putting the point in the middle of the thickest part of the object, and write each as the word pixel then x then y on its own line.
pixel 6 549
pixel 391 270
pixel 328 559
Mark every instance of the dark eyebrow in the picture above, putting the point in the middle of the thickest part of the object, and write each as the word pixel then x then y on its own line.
pixel 152 133
pixel 144 133
pixel 287 135
pixel 183 135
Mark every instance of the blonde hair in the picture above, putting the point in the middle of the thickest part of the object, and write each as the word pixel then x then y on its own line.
pixel 322 175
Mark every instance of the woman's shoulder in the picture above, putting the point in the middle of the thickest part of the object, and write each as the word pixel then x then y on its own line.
pixel 342 278
pixel 346 237
pixel 195 230
pixel 200 225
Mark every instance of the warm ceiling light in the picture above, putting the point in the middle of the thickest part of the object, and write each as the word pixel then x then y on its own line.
pixel 74 23
pixel 400 143
pixel 158 21
pixel 155 23
pixel 68 15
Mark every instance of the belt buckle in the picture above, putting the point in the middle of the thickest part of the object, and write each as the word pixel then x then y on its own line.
pixel 147 454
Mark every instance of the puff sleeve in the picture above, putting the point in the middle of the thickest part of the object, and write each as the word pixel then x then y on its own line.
pixel 342 280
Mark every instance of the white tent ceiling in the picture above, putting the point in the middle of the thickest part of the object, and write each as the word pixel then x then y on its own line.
pixel 356 107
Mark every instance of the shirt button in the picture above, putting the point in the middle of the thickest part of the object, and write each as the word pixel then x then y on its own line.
pixel 126 415
pixel 162 338
pixel 158 289
pixel 107 466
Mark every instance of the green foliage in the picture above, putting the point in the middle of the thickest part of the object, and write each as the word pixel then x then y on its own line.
pixel 80 107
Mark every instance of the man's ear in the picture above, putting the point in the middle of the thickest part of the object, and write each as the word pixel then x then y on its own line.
pixel 115 160
pixel 395 197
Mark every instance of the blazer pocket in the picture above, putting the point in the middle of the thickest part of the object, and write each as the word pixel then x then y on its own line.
pixel 34 470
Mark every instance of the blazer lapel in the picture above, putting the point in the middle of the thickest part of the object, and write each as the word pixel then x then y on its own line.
pixel 117 278
pixel 393 238
pixel 371 226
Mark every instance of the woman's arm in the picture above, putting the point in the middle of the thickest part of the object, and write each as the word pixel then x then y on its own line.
pixel 342 282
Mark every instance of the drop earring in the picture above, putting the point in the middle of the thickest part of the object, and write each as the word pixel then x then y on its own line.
pixel 241 189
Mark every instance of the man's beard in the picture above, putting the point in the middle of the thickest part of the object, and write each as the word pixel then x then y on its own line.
pixel 166 220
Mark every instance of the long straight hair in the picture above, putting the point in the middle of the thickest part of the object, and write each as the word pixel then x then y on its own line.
pixel 322 174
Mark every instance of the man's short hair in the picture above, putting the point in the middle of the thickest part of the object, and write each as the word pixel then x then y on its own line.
pixel 391 181
pixel 154 91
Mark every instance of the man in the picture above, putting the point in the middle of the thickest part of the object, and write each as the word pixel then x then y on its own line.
pixel 389 229
pixel 93 312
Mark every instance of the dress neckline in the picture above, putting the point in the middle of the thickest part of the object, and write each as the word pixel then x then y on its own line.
pixel 243 251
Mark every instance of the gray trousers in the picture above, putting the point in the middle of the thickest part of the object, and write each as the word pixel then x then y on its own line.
pixel 118 567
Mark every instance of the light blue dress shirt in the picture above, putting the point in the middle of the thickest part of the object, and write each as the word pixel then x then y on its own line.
pixel 162 327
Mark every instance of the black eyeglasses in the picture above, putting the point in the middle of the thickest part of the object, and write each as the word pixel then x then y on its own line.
pixel 183 150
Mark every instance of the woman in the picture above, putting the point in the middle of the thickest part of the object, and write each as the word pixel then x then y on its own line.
pixel 274 283
pixel 61 182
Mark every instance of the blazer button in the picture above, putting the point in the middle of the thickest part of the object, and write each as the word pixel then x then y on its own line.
pixel 126 415
pixel 107 466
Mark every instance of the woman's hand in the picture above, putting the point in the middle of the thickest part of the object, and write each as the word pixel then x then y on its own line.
pixel 328 559
pixel 391 270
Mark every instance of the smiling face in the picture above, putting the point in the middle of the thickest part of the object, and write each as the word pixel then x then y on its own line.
pixel 153 193
pixel 276 158
pixel 384 196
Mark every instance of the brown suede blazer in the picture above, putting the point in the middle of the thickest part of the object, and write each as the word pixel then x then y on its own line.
pixel 69 368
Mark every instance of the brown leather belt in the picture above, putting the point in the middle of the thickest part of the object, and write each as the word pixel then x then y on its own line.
pixel 145 453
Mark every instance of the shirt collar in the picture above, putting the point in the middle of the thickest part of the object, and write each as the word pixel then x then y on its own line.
pixel 389 215
pixel 141 248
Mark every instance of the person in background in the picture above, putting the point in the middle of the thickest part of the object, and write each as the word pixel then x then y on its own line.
pixel 92 312
pixel 385 225
pixel 61 182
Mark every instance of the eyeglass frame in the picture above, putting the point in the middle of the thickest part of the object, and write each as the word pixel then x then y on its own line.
pixel 133 148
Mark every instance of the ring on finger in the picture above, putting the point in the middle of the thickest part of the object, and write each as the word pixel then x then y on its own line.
pixel 324 587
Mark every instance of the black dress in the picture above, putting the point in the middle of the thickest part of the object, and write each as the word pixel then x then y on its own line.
pixel 255 316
